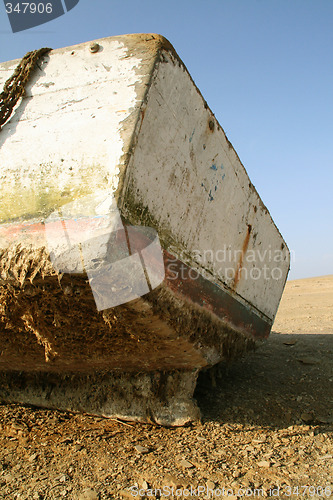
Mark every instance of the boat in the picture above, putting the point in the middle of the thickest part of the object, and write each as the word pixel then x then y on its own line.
pixel 135 252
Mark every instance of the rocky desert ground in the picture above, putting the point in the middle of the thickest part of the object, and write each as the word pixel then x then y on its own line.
pixel 266 428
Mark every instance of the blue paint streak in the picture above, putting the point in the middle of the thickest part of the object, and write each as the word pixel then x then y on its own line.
pixel 190 139
pixel 210 197
pixel 213 167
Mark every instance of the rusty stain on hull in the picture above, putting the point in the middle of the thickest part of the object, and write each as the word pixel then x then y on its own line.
pixel 241 258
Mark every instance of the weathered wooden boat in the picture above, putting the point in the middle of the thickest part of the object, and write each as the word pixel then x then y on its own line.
pixel 134 249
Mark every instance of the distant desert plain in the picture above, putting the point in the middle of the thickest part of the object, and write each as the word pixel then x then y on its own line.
pixel 306 306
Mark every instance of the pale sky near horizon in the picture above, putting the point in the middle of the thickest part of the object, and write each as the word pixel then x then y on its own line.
pixel 265 68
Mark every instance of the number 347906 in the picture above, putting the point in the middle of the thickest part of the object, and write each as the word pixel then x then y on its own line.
pixel 28 8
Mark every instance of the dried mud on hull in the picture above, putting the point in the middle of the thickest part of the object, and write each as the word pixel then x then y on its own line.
pixel 138 361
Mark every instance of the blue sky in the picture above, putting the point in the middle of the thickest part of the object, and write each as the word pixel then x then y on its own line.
pixel 265 68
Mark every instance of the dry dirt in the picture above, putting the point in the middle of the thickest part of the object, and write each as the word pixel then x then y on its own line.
pixel 266 429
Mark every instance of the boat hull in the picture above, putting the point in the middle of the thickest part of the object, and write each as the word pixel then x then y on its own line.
pixel 134 249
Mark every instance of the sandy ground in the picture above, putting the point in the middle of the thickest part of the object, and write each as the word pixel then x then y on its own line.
pixel 266 429
pixel 306 307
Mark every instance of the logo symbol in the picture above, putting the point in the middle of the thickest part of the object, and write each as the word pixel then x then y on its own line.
pixel 122 262
pixel 26 15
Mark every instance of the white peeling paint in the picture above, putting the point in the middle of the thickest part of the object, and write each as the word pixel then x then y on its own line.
pixel 194 185
pixel 69 123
